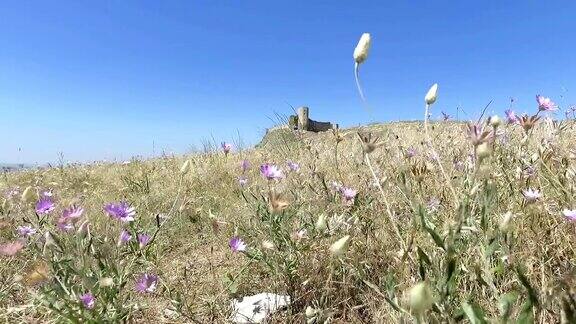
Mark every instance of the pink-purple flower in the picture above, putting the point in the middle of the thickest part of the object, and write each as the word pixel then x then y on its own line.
pixel 88 300
pixel 124 237
pixel 242 181
pixel 12 192
pixel 511 117
pixel 570 214
pixel 11 248
pixel 237 245
pixel 545 104
pixel 411 152
pixel 301 234
pixel 44 205
pixel 121 211
pixel 348 194
pixel 143 239
pixel 226 147
pixel 64 225
pixel 146 283
pixel 293 166
pixel 531 195
pixel 73 212
pixel 245 165
pixel 69 217
pixel 26 231
pixel 271 172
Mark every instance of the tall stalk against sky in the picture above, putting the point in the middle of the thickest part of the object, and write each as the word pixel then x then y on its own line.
pixel 360 55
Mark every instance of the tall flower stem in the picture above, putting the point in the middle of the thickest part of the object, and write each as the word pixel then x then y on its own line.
pixel 386 203
pixel 437 157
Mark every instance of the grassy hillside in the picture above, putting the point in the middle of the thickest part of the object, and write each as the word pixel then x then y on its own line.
pixel 457 225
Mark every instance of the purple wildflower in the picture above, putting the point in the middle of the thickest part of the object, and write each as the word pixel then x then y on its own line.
pixel 64 225
pixel 243 181
pixel 459 165
pixel 237 245
pixel 411 152
pixel 531 195
pixel 143 239
pixel 12 192
pixel 271 172
pixel 511 117
pixel 72 213
pixel 26 231
pixel 245 165
pixel 44 205
pixel 293 166
pixel 348 194
pixel 121 211
pixel 88 300
pixel 301 234
pixel 146 283
pixel 545 104
pixel 433 205
pixel 11 248
pixel 124 237
pixel 226 147
pixel 529 171
pixel 433 156
pixel 570 214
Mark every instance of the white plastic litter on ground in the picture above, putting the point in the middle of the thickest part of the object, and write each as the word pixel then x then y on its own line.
pixel 254 309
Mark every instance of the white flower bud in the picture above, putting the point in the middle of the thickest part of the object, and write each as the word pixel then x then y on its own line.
pixel 340 247
pixel 106 282
pixel 185 167
pixel 432 94
pixel 483 151
pixel 29 195
pixel 268 245
pixel 420 298
pixel 362 49
pixel 475 189
pixel 84 228
pixel 505 222
pixel 495 121
pixel 321 223
pixel 310 312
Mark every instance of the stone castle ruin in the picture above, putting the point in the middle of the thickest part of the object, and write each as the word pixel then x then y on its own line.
pixel 301 121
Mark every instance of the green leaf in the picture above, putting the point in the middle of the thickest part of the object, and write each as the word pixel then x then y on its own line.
pixel 532 295
pixel 423 259
pixel 526 315
pixel 388 299
pixel 474 313
pixel 505 304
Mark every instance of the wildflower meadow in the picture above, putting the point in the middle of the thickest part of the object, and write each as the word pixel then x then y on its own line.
pixel 438 221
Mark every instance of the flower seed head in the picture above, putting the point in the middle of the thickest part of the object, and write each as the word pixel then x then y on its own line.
pixel 362 49
pixel 420 298
pixel 495 121
pixel 432 94
pixel 185 167
pixel 340 247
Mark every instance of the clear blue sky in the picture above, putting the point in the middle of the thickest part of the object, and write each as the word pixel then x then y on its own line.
pixel 104 79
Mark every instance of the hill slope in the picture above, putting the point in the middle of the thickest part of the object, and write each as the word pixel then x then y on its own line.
pixel 416 227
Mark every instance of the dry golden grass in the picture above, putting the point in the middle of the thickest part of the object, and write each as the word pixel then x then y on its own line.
pixel 477 264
